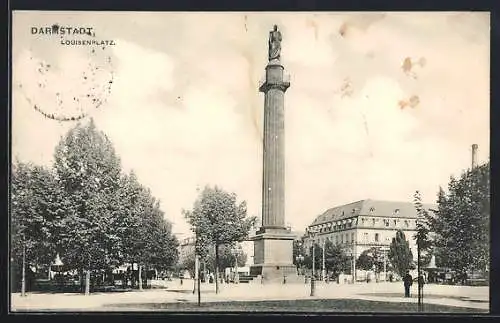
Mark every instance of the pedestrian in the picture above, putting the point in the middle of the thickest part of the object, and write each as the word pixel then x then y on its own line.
pixel 421 282
pixel 407 281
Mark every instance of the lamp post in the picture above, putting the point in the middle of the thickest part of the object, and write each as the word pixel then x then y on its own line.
pixel 418 274
pixel 323 271
pixel 384 250
pixel 235 253
pixel 353 262
pixel 312 234
pixel 23 278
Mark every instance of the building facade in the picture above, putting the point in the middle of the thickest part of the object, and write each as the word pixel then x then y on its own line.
pixel 364 224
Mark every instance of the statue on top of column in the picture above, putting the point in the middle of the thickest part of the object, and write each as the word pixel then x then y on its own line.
pixel 274 44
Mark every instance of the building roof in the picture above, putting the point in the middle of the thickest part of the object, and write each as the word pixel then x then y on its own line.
pixel 371 207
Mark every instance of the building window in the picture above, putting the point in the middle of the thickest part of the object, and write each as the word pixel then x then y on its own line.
pixel 346 238
pixel 376 237
pixel 373 222
pixel 365 237
pixel 386 223
pixel 395 222
pixel 336 239
pixel 341 238
pixel 352 237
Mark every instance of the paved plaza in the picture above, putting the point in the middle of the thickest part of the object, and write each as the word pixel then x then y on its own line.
pixel 458 297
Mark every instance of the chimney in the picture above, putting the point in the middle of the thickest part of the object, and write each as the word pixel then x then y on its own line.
pixel 474 156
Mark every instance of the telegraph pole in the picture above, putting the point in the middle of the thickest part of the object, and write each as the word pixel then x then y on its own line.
pixel 196 269
pixel 313 287
pixel 23 278
pixel 199 280
pixel 312 276
pixel 384 250
pixel 323 271
pixel 354 263
pixel 418 277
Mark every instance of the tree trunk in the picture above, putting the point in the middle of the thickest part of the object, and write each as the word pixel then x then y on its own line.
pixel 140 277
pixel 216 269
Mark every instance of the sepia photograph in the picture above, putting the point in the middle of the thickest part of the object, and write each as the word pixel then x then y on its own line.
pixel 260 162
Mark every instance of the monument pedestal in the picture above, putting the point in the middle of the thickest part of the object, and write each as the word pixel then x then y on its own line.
pixel 273 252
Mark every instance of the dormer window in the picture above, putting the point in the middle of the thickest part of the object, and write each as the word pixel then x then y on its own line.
pixel 396 211
pixel 353 211
pixel 372 209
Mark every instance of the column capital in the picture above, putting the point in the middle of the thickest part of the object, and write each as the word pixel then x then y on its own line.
pixel 266 86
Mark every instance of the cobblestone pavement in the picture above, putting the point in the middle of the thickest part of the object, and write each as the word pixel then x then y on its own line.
pixel 174 292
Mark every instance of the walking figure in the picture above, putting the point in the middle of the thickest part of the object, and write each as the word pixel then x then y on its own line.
pixel 421 282
pixel 407 281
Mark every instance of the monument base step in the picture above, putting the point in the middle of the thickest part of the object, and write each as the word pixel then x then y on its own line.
pixel 268 273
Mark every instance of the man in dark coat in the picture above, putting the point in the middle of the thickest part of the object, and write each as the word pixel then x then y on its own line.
pixel 407 281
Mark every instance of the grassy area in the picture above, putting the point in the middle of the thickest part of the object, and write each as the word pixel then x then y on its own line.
pixel 322 305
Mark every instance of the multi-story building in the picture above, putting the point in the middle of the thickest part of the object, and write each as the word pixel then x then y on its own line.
pixel 364 224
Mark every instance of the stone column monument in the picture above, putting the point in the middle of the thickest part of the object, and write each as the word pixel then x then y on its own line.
pixel 273 242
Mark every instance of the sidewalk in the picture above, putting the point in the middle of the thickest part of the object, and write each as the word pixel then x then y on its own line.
pixel 458 296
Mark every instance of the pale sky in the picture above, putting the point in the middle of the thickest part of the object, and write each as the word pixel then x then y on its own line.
pixel 380 105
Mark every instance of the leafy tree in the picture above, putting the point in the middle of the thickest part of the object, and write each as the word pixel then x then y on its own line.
pixel 400 254
pixel 461 227
pixel 187 260
pixel 336 259
pixel 87 211
pixel 218 219
pixel 35 213
pixel 369 258
pixel 160 245
pixel 318 255
pixel 88 170
pixel 422 236
pixel 226 257
pixel 145 235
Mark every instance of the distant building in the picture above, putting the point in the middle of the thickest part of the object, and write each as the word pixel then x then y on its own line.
pixel 364 224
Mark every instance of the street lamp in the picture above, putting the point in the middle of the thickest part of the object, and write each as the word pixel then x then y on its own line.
pixel 299 259
pixel 235 253
pixel 323 271
pixel 312 234
pixel 419 286
pixel 384 250
pixel 353 262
